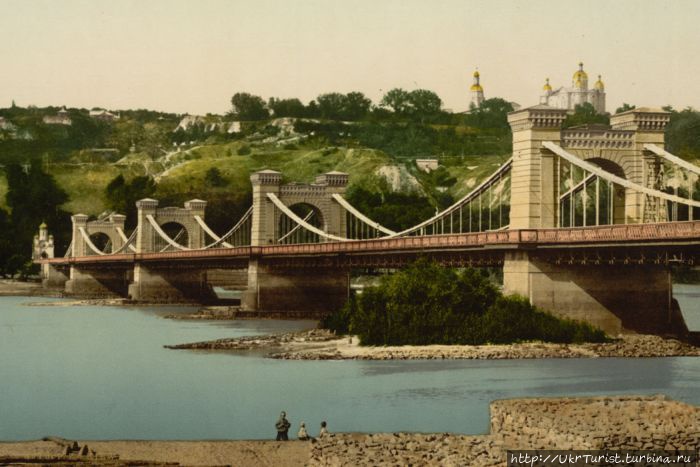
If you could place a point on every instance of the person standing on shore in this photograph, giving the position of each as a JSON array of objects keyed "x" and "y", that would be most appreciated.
[
  {"x": 282, "y": 426},
  {"x": 323, "y": 432}
]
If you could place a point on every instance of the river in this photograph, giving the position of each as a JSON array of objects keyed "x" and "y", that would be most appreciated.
[{"x": 102, "y": 373}]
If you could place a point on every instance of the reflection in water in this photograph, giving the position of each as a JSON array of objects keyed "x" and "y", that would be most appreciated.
[{"x": 102, "y": 373}]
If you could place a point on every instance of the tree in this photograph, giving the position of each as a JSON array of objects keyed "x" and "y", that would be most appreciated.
[
  {"x": 331, "y": 105},
  {"x": 286, "y": 107},
  {"x": 585, "y": 114},
  {"x": 683, "y": 133},
  {"x": 492, "y": 113},
  {"x": 397, "y": 100},
  {"x": 7, "y": 248},
  {"x": 356, "y": 106},
  {"x": 424, "y": 104},
  {"x": 34, "y": 197},
  {"x": 248, "y": 107},
  {"x": 625, "y": 107},
  {"x": 213, "y": 178},
  {"x": 121, "y": 195}
]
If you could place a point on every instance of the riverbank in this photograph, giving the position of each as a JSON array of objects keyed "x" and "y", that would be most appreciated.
[
  {"x": 13, "y": 288},
  {"x": 618, "y": 422},
  {"x": 319, "y": 344}
]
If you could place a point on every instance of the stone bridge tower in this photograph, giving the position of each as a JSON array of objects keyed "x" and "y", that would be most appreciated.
[
  {"x": 275, "y": 287},
  {"x": 185, "y": 217},
  {"x": 604, "y": 295},
  {"x": 109, "y": 227},
  {"x": 319, "y": 195}
]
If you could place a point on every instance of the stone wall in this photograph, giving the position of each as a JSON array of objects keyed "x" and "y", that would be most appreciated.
[{"x": 616, "y": 423}]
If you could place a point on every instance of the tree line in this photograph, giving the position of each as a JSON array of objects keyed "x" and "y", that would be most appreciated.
[
  {"x": 33, "y": 197},
  {"x": 418, "y": 105}
]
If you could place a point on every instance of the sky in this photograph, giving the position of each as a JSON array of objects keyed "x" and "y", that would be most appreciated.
[{"x": 189, "y": 56}]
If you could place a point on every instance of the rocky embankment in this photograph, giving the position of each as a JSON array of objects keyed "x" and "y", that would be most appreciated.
[
  {"x": 614, "y": 423},
  {"x": 318, "y": 344},
  {"x": 270, "y": 342},
  {"x": 596, "y": 423},
  {"x": 235, "y": 312}
]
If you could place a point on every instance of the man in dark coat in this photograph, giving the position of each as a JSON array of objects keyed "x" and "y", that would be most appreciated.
[{"x": 282, "y": 426}]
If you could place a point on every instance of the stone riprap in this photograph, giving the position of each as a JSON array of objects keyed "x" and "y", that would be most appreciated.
[
  {"x": 615, "y": 423},
  {"x": 319, "y": 344}
]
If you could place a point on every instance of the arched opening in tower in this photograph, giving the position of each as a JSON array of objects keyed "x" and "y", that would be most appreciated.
[
  {"x": 177, "y": 232},
  {"x": 102, "y": 242},
  {"x": 589, "y": 200},
  {"x": 290, "y": 232}
]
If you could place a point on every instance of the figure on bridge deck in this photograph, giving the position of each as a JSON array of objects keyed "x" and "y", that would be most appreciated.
[{"x": 283, "y": 426}]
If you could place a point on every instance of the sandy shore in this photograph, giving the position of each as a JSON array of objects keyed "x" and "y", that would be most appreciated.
[
  {"x": 613, "y": 423},
  {"x": 147, "y": 453},
  {"x": 323, "y": 345}
]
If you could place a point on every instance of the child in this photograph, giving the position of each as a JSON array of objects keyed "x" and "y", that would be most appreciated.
[
  {"x": 302, "y": 435},
  {"x": 323, "y": 431}
]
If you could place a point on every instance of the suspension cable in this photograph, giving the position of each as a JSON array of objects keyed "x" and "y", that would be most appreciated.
[
  {"x": 163, "y": 235},
  {"x": 350, "y": 208},
  {"x": 289, "y": 213},
  {"x": 614, "y": 178}
]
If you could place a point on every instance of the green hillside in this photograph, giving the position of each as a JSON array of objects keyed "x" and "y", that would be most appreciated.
[{"x": 182, "y": 175}]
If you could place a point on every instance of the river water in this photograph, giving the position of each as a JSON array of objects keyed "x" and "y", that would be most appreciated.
[{"x": 102, "y": 373}]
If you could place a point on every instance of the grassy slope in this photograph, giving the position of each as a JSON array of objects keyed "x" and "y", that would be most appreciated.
[
  {"x": 299, "y": 165},
  {"x": 185, "y": 175},
  {"x": 471, "y": 170}
]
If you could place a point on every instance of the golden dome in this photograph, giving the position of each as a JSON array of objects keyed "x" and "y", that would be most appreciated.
[
  {"x": 580, "y": 75},
  {"x": 476, "y": 87},
  {"x": 599, "y": 84},
  {"x": 546, "y": 86},
  {"x": 43, "y": 225},
  {"x": 476, "y": 74}
]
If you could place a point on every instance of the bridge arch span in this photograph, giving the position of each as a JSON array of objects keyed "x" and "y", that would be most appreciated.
[
  {"x": 288, "y": 231},
  {"x": 148, "y": 238},
  {"x": 97, "y": 229},
  {"x": 318, "y": 195}
]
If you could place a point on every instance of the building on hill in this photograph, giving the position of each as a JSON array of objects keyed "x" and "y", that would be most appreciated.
[
  {"x": 577, "y": 94},
  {"x": 477, "y": 92},
  {"x": 104, "y": 115},
  {"x": 477, "y": 95},
  {"x": 7, "y": 125},
  {"x": 61, "y": 118},
  {"x": 427, "y": 165}
]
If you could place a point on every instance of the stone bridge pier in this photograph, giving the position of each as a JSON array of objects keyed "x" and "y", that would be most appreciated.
[
  {"x": 276, "y": 286},
  {"x": 156, "y": 281},
  {"x": 612, "y": 297},
  {"x": 87, "y": 281}
]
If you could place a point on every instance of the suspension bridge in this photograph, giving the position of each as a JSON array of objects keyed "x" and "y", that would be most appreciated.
[{"x": 584, "y": 221}]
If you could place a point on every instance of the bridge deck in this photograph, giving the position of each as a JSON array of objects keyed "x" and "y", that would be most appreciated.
[{"x": 610, "y": 236}]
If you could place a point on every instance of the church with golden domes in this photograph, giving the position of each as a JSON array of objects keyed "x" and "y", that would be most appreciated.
[
  {"x": 477, "y": 92},
  {"x": 578, "y": 93}
]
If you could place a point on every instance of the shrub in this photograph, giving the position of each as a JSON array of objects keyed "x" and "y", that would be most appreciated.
[
  {"x": 514, "y": 319},
  {"x": 428, "y": 304},
  {"x": 244, "y": 150}
]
